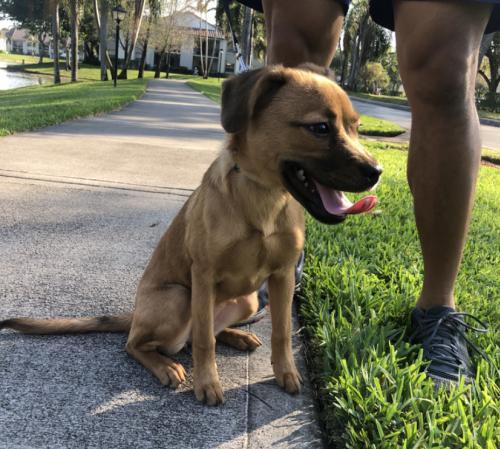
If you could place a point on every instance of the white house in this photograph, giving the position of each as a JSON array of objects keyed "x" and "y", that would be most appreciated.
[
  {"x": 20, "y": 41},
  {"x": 186, "y": 54}
]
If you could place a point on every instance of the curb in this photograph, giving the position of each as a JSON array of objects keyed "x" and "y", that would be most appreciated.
[{"x": 402, "y": 107}]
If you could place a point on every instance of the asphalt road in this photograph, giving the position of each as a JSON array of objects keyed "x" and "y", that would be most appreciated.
[{"x": 489, "y": 134}]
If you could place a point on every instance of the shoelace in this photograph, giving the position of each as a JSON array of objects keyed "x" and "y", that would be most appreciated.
[{"x": 445, "y": 328}]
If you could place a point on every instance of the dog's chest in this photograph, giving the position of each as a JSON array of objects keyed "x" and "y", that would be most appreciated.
[{"x": 251, "y": 260}]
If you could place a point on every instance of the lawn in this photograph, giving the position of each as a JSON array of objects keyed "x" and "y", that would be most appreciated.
[
  {"x": 370, "y": 126},
  {"x": 361, "y": 281},
  {"x": 10, "y": 57},
  {"x": 38, "y": 106},
  {"x": 86, "y": 72}
]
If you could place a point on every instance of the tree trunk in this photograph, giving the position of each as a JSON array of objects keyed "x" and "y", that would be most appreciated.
[
  {"x": 142, "y": 63},
  {"x": 344, "y": 67},
  {"x": 144, "y": 54},
  {"x": 126, "y": 49},
  {"x": 246, "y": 36},
  {"x": 158, "y": 64},
  {"x": 359, "y": 43},
  {"x": 202, "y": 61},
  {"x": 167, "y": 69},
  {"x": 41, "y": 47},
  {"x": 55, "y": 35},
  {"x": 74, "y": 40},
  {"x": 485, "y": 44},
  {"x": 138, "y": 13},
  {"x": 101, "y": 17}
]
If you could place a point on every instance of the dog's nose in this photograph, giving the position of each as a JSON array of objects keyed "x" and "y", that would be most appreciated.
[{"x": 372, "y": 172}]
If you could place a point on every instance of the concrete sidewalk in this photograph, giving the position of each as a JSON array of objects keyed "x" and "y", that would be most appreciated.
[{"x": 82, "y": 206}]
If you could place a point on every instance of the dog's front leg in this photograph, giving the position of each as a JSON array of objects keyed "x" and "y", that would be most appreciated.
[
  {"x": 206, "y": 379},
  {"x": 281, "y": 286}
]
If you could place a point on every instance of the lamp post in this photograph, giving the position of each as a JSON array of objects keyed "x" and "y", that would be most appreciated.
[{"x": 118, "y": 15}]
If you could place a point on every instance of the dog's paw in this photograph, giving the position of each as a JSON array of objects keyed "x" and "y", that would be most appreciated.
[
  {"x": 239, "y": 339},
  {"x": 209, "y": 394},
  {"x": 171, "y": 374},
  {"x": 288, "y": 379},
  {"x": 207, "y": 389}
]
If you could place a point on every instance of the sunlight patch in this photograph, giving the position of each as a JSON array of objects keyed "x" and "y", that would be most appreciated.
[{"x": 120, "y": 400}]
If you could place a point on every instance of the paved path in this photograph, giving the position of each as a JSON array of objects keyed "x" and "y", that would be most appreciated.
[
  {"x": 489, "y": 134},
  {"x": 82, "y": 206}
]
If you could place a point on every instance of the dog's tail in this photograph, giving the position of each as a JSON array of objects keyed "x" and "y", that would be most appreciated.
[{"x": 119, "y": 323}]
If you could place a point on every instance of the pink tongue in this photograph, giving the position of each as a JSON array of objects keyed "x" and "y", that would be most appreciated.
[{"x": 336, "y": 203}]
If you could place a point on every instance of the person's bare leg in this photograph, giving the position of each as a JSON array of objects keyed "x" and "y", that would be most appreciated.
[
  {"x": 302, "y": 31},
  {"x": 437, "y": 46}
]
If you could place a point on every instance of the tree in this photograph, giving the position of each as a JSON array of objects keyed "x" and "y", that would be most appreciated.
[
  {"x": 166, "y": 34},
  {"x": 89, "y": 35},
  {"x": 73, "y": 6},
  {"x": 31, "y": 15},
  {"x": 373, "y": 77},
  {"x": 390, "y": 63},
  {"x": 137, "y": 6},
  {"x": 246, "y": 36},
  {"x": 258, "y": 29},
  {"x": 363, "y": 41},
  {"x": 153, "y": 15},
  {"x": 54, "y": 6},
  {"x": 490, "y": 72},
  {"x": 101, "y": 13}
]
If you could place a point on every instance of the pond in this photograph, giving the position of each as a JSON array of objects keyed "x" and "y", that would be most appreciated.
[{"x": 13, "y": 80}]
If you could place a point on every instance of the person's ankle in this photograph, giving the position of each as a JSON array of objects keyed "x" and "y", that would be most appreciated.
[{"x": 426, "y": 302}]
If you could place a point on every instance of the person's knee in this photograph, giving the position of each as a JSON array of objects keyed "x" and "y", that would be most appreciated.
[{"x": 438, "y": 82}]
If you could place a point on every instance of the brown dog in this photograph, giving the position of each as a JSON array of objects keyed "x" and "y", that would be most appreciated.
[{"x": 292, "y": 139}]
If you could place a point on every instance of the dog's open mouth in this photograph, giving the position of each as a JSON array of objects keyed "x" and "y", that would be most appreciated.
[{"x": 324, "y": 203}]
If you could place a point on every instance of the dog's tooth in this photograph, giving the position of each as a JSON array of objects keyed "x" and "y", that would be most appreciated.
[{"x": 300, "y": 175}]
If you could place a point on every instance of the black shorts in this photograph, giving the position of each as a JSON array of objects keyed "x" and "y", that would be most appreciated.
[{"x": 382, "y": 13}]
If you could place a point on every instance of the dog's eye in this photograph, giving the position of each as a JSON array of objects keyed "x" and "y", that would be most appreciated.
[{"x": 320, "y": 129}]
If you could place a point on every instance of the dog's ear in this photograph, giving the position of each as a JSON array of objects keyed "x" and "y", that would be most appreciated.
[{"x": 247, "y": 94}]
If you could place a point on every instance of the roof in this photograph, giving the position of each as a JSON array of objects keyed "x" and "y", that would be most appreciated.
[
  {"x": 22, "y": 34},
  {"x": 197, "y": 25},
  {"x": 18, "y": 34}
]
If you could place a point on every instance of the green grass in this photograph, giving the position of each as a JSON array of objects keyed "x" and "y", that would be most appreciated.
[
  {"x": 385, "y": 98},
  {"x": 361, "y": 280},
  {"x": 86, "y": 72},
  {"x": 370, "y": 126},
  {"x": 210, "y": 87},
  {"x": 38, "y": 106},
  {"x": 488, "y": 114},
  {"x": 11, "y": 57},
  {"x": 490, "y": 156}
]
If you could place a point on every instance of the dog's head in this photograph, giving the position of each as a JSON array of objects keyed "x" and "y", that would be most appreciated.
[{"x": 297, "y": 128}]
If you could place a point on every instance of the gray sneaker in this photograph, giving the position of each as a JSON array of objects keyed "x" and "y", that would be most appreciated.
[{"x": 441, "y": 332}]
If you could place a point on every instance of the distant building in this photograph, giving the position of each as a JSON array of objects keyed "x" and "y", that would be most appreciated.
[
  {"x": 20, "y": 41},
  {"x": 190, "y": 37}
]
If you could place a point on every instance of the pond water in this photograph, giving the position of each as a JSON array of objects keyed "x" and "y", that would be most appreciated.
[{"x": 13, "y": 80}]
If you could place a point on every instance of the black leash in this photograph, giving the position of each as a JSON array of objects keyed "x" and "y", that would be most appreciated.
[{"x": 239, "y": 57}]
